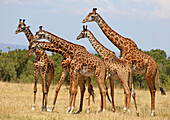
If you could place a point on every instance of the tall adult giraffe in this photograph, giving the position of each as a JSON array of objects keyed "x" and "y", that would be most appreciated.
[
  {"x": 139, "y": 62},
  {"x": 83, "y": 64},
  {"x": 43, "y": 66},
  {"x": 116, "y": 69}
]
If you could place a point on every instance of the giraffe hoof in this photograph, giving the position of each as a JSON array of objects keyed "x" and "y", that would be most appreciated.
[
  {"x": 72, "y": 110},
  {"x": 137, "y": 113},
  {"x": 42, "y": 108},
  {"x": 48, "y": 109},
  {"x": 153, "y": 113},
  {"x": 113, "y": 110},
  {"x": 79, "y": 111},
  {"x": 33, "y": 107},
  {"x": 52, "y": 109},
  {"x": 99, "y": 110},
  {"x": 124, "y": 109},
  {"x": 88, "y": 110},
  {"x": 69, "y": 109}
]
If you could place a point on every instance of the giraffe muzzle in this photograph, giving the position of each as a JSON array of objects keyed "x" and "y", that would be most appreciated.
[
  {"x": 16, "y": 32},
  {"x": 84, "y": 21},
  {"x": 78, "y": 38}
]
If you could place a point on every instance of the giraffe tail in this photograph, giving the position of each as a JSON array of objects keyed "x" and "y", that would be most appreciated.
[
  {"x": 161, "y": 89},
  {"x": 108, "y": 95}
]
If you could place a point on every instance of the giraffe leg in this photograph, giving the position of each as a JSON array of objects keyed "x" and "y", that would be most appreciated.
[
  {"x": 89, "y": 93},
  {"x": 100, "y": 80},
  {"x": 43, "y": 107},
  {"x": 63, "y": 76},
  {"x": 82, "y": 90},
  {"x": 70, "y": 102},
  {"x": 50, "y": 77},
  {"x": 35, "y": 86},
  {"x": 127, "y": 95},
  {"x": 130, "y": 84},
  {"x": 134, "y": 98},
  {"x": 43, "y": 73},
  {"x": 70, "y": 92},
  {"x": 125, "y": 82},
  {"x": 45, "y": 92},
  {"x": 125, "y": 105},
  {"x": 74, "y": 90},
  {"x": 101, "y": 103},
  {"x": 150, "y": 79},
  {"x": 152, "y": 88},
  {"x": 102, "y": 88},
  {"x": 112, "y": 93},
  {"x": 127, "y": 100},
  {"x": 46, "y": 101}
]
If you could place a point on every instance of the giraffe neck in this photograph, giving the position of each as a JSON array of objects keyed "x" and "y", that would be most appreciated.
[
  {"x": 101, "y": 50},
  {"x": 28, "y": 34},
  {"x": 39, "y": 54},
  {"x": 51, "y": 47},
  {"x": 66, "y": 46},
  {"x": 123, "y": 44}
]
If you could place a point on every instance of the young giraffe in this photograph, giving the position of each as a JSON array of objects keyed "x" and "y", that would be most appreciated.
[
  {"x": 43, "y": 66},
  {"x": 139, "y": 62},
  {"x": 83, "y": 64},
  {"x": 116, "y": 69}
]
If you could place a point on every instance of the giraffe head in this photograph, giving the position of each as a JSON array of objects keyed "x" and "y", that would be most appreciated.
[
  {"x": 41, "y": 34},
  {"x": 22, "y": 27},
  {"x": 33, "y": 47},
  {"x": 92, "y": 16},
  {"x": 84, "y": 33}
]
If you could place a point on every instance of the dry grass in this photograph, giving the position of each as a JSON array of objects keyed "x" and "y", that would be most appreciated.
[{"x": 16, "y": 102}]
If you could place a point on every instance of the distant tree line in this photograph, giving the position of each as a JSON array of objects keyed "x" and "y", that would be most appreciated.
[{"x": 16, "y": 67}]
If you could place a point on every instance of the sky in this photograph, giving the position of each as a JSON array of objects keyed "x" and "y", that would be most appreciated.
[{"x": 146, "y": 22}]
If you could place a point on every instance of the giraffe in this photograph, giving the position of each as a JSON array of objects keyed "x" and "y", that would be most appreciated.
[
  {"x": 83, "y": 64},
  {"x": 116, "y": 69},
  {"x": 43, "y": 66},
  {"x": 22, "y": 27},
  {"x": 65, "y": 67},
  {"x": 139, "y": 62}
]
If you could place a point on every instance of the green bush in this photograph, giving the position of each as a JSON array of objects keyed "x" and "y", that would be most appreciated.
[{"x": 16, "y": 67}]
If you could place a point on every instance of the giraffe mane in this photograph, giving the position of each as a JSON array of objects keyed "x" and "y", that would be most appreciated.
[
  {"x": 100, "y": 43},
  {"x": 65, "y": 40}
]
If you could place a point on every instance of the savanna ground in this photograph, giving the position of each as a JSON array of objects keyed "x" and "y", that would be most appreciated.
[{"x": 16, "y": 103}]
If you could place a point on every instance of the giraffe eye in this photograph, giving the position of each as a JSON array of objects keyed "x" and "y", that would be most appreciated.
[{"x": 92, "y": 17}]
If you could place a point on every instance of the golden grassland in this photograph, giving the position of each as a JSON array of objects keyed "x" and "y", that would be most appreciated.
[{"x": 16, "y": 104}]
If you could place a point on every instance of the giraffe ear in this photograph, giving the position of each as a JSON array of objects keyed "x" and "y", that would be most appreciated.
[
  {"x": 28, "y": 26},
  {"x": 20, "y": 21},
  {"x": 40, "y": 28},
  {"x": 83, "y": 27},
  {"x": 86, "y": 28},
  {"x": 24, "y": 21},
  {"x": 94, "y": 10}
]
